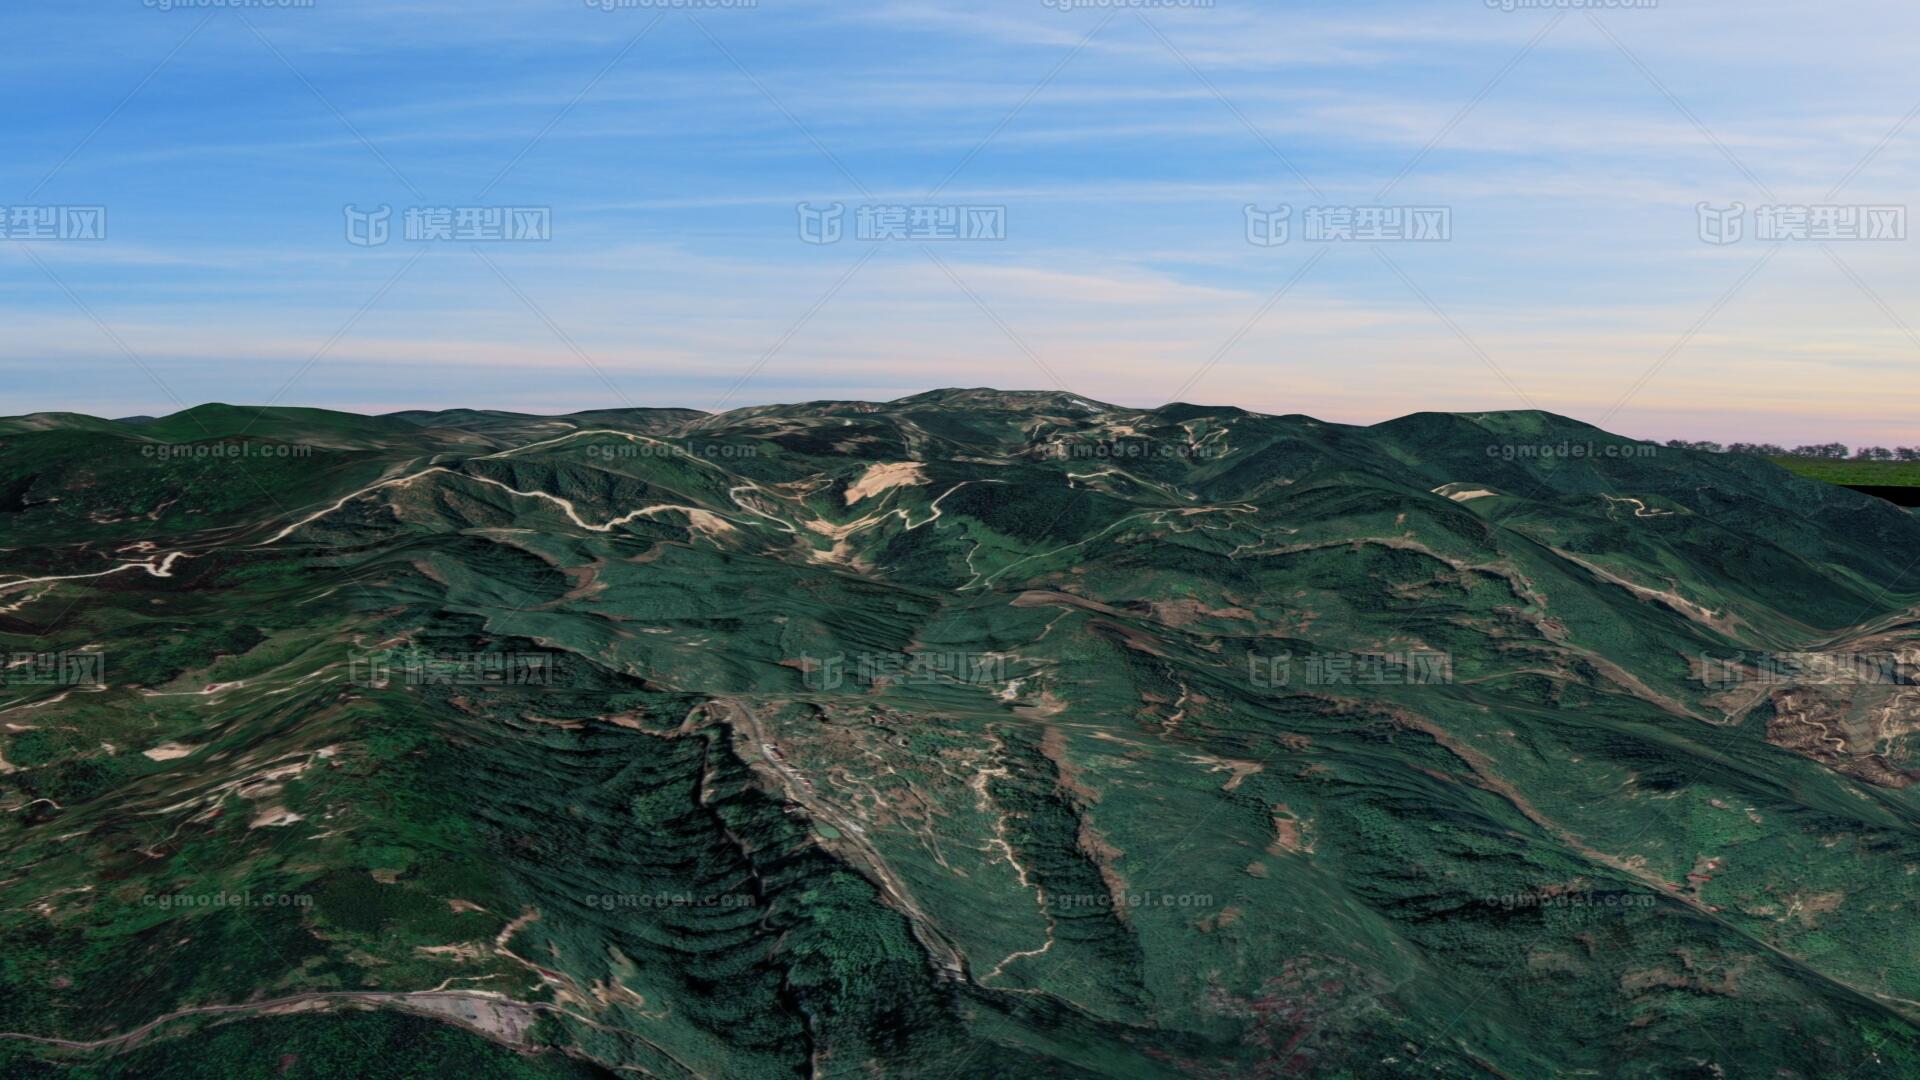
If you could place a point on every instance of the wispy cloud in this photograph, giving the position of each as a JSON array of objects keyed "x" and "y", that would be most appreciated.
[{"x": 1575, "y": 259}]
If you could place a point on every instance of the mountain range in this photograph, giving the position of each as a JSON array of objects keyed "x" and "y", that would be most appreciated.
[{"x": 977, "y": 732}]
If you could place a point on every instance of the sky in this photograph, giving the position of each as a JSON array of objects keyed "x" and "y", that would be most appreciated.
[{"x": 1682, "y": 219}]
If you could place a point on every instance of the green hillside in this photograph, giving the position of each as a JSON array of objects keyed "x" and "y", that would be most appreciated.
[{"x": 975, "y": 733}]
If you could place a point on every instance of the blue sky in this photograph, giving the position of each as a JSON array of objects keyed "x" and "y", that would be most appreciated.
[{"x": 1570, "y": 147}]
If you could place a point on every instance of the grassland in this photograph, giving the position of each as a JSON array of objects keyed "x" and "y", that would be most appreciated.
[{"x": 1864, "y": 473}]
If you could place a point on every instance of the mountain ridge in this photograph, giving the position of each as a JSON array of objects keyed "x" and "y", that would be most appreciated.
[{"x": 977, "y": 729}]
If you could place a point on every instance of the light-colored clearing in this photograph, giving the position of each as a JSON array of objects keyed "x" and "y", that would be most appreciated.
[
  {"x": 1448, "y": 491},
  {"x": 168, "y": 751},
  {"x": 879, "y": 478},
  {"x": 274, "y": 817}
]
